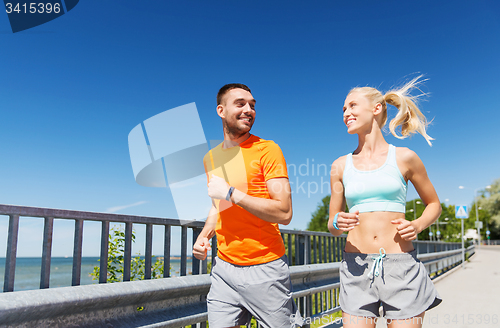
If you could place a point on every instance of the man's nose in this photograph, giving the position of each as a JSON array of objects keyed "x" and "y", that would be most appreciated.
[{"x": 247, "y": 108}]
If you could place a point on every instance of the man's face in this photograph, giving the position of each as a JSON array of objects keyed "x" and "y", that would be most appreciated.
[{"x": 237, "y": 111}]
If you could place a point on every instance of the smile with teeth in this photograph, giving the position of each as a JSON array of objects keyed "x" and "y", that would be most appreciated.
[{"x": 350, "y": 121}]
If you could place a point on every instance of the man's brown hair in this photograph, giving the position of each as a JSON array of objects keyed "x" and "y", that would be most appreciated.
[{"x": 225, "y": 89}]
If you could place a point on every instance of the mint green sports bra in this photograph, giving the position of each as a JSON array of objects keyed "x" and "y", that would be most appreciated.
[{"x": 380, "y": 190}]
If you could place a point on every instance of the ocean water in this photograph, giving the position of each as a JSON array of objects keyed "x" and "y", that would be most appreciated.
[{"x": 28, "y": 271}]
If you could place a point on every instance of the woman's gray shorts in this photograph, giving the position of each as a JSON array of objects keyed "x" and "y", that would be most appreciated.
[
  {"x": 263, "y": 291},
  {"x": 403, "y": 287}
]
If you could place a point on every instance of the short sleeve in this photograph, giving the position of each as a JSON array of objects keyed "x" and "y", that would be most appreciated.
[{"x": 273, "y": 162}]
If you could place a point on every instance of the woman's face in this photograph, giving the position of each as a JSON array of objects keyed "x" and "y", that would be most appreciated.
[{"x": 358, "y": 112}]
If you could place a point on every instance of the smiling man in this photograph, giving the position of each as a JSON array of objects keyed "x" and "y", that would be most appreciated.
[{"x": 251, "y": 196}]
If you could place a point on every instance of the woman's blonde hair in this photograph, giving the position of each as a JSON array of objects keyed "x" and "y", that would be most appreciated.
[{"x": 409, "y": 116}]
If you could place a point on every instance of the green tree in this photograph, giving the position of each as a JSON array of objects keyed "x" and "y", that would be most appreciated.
[
  {"x": 116, "y": 249},
  {"x": 319, "y": 220},
  {"x": 489, "y": 211}
]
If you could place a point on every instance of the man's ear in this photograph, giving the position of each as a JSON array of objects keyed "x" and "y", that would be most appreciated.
[{"x": 220, "y": 111}]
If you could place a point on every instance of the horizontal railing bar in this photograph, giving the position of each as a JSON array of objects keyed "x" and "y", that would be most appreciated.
[
  {"x": 313, "y": 270},
  {"x": 92, "y": 216},
  {"x": 428, "y": 264},
  {"x": 310, "y": 233},
  {"x": 440, "y": 255},
  {"x": 436, "y": 260},
  {"x": 306, "y": 290},
  {"x": 41, "y": 304}
]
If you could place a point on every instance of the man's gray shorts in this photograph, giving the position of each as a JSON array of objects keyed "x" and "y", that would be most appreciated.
[
  {"x": 403, "y": 287},
  {"x": 262, "y": 290}
]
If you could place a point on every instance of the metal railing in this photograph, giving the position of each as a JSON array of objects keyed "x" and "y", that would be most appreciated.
[
  {"x": 48, "y": 215},
  {"x": 178, "y": 301},
  {"x": 174, "y": 302},
  {"x": 302, "y": 247},
  {"x": 441, "y": 262}
]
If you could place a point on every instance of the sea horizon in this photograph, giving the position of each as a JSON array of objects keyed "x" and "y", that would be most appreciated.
[{"x": 28, "y": 271}]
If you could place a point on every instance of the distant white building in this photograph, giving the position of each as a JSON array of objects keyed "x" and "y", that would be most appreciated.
[{"x": 471, "y": 234}]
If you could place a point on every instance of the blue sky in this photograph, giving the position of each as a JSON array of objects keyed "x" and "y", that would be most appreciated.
[{"x": 72, "y": 89}]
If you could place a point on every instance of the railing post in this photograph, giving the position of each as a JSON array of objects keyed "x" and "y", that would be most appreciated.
[
  {"x": 103, "y": 264},
  {"x": 344, "y": 241},
  {"x": 10, "y": 256},
  {"x": 297, "y": 252},
  {"x": 127, "y": 251},
  {"x": 149, "y": 251},
  {"x": 214, "y": 249},
  {"x": 183, "y": 250},
  {"x": 289, "y": 242},
  {"x": 300, "y": 249},
  {"x": 195, "y": 263},
  {"x": 308, "y": 300},
  {"x": 315, "y": 246},
  {"x": 325, "y": 253},
  {"x": 338, "y": 246},
  {"x": 166, "y": 252},
  {"x": 77, "y": 253},
  {"x": 307, "y": 250},
  {"x": 46, "y": 252}
]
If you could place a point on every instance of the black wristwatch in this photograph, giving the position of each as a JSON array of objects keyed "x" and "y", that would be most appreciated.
[{"x": 229, "y": 193}]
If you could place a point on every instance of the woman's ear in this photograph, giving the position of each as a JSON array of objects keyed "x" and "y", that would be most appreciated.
[{"x": 377, "y": 109}]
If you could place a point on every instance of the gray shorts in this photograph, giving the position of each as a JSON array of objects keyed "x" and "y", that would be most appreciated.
[
  {"x": 240, "y": 292},
  {"x": 402, "y": 287}
]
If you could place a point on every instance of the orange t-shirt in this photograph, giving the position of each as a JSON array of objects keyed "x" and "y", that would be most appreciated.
[{"x": 243, "y": 238}]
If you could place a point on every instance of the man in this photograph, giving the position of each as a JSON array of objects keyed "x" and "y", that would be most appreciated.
[{"x": 248, "y": 184}]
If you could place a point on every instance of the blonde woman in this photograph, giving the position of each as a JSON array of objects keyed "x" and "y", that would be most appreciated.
[{"x": 380, "y": 267}]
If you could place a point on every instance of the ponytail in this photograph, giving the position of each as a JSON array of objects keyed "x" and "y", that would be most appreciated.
[{"x": 409, "y": 116}]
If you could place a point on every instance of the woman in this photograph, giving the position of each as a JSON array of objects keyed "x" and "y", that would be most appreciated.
[{"x": 380, "y": 268}]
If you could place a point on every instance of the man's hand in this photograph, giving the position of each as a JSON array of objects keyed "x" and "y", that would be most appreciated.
[
  {"x": 201, "y": 247},
  {"x": 217, "y": 187},
  {"x": 406, "y": 229}
]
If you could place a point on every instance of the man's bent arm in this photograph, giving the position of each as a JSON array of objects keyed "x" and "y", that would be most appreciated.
[{"x": 278, "y": 209}]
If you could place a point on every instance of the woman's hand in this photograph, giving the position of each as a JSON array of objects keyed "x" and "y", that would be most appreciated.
[
  {"x": 347, "y": 221},
  {"x": 406, "y": 229}
]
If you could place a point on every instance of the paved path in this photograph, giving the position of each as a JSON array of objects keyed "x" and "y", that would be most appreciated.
[{"x": 471, "y": 296}]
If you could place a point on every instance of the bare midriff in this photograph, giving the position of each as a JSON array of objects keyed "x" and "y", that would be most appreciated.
[{"x": 376, "y": 231}]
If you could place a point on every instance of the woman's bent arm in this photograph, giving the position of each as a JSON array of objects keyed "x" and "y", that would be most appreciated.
[{"x": 417, "y": 174}]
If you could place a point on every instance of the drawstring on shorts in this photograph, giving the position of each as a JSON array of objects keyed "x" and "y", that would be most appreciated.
[{"x": 377, "y": 264}]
